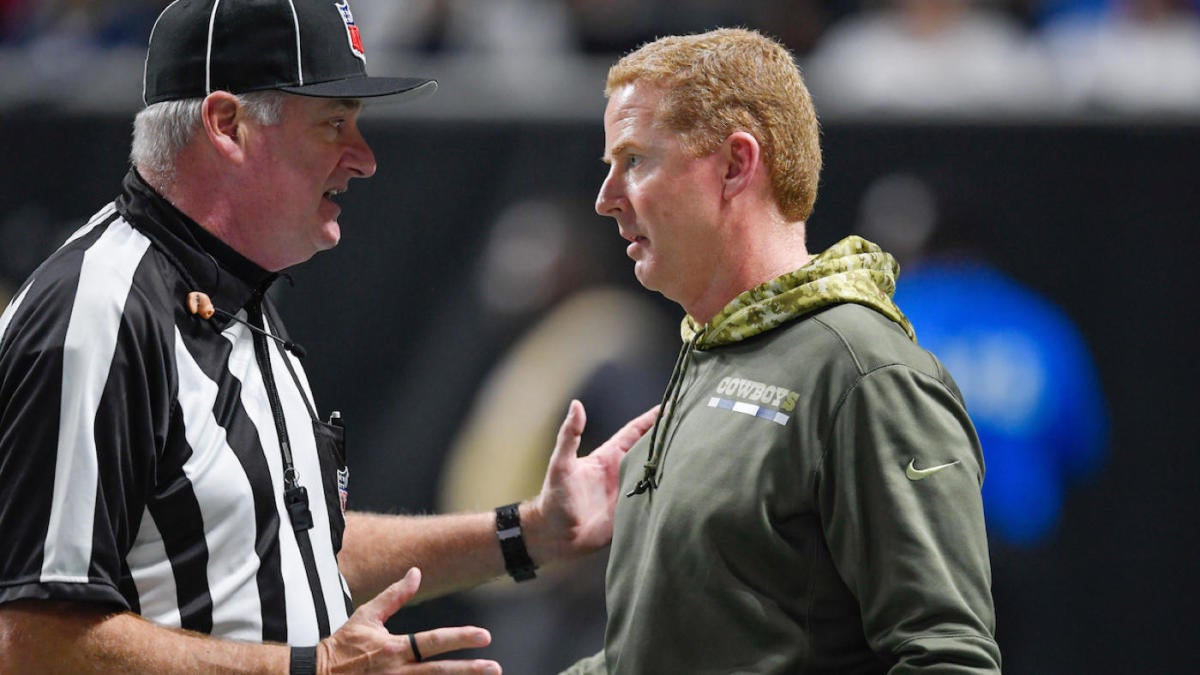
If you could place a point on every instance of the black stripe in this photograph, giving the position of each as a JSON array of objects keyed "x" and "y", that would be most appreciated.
[
  {"x": 31, "y": 368},
  {"x": 128, "y": 589},
  {"x": 176, "y": 512},
  {"x": 242, "y": 437},
  {"x": 130, "y": 426},
  {"x": 314, "y": 581}
]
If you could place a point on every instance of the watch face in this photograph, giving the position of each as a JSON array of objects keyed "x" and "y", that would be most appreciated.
[{"x": 508, "y": 517}]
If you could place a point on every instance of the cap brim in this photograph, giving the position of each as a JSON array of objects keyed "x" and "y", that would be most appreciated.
[{"x": 397, "y": 88}]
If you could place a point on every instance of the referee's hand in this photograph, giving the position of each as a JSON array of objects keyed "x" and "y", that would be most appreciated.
[{"x": 364, "y": 645}]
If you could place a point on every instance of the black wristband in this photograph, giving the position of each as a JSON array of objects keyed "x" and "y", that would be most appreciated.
[
  {"x": 516, "y": 557},
  {"x": 304, "y": 661}
]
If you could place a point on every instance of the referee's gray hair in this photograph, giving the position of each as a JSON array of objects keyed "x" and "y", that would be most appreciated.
[{"x": 162, "y": 130}]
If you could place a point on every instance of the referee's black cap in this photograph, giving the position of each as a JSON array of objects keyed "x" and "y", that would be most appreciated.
[{"x": 306, "y": 47}]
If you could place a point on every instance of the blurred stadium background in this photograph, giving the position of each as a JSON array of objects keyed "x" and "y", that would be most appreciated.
[{"x": 1029, "y": 161}]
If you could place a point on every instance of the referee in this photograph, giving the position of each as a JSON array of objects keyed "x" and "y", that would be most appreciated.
[{"x": 173, "y": 501}]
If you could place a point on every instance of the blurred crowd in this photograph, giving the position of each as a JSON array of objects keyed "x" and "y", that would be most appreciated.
[{"x": 861, "y": 56}]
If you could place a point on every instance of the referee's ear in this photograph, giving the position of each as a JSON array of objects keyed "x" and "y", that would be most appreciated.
[{"x": 224, "y": 122}]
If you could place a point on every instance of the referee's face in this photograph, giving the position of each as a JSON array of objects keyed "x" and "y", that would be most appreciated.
[{"x": 303, "y": 164}]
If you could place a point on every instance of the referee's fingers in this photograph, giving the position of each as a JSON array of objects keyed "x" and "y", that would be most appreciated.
[
  {"x": 431, "y": 643},
  {"x": 475, "y": 667},
  {"x": 620, "y": 442},
  {"x": 381, "y": 607},
  {"x": 566, "y": 445}
]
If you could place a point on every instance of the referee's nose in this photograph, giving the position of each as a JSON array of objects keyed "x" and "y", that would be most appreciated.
[{"x": 358, "y": 156}]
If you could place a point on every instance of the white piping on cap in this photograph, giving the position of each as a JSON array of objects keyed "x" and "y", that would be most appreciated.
[
  {"x": 146, "y": 62},
  {"x": 212, "y": 19},
  {"x": 299, "y": 60}
]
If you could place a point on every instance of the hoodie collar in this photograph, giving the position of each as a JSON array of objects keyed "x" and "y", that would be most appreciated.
[
  {"x": 852, "y": 270},
  {"x": 206, "y": 263}
]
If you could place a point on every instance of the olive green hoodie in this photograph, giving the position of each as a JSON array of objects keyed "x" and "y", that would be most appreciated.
[{"x": 809, "y": 499}]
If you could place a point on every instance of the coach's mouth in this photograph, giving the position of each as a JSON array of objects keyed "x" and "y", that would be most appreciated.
[{"x": 631, "y": 237}]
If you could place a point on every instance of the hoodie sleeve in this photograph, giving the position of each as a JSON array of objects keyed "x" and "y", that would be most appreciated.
[
  {"x": 899, "y": 493},
  {"x": 594, "y": 665}
]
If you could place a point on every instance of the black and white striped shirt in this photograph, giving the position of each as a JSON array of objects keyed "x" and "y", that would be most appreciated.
[{"x": 141, "y": 463}]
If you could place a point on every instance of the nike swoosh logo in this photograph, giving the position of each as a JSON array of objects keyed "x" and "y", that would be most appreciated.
[{"x": 914, "y": 473}]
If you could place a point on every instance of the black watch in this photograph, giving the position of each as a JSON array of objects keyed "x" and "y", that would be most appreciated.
[
  {"x": 304, "y": 661},
  {"x": 516, "y": 557}
]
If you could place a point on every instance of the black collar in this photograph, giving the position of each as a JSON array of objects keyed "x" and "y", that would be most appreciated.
[{"x": 205, "y": 262}]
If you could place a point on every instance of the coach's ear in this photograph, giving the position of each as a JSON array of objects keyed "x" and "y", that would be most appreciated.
[
  {"x": 223, "y": 119},
  {"x": 741, "y": 153}
]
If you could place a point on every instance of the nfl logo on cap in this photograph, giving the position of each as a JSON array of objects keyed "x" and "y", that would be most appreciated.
[{"x": 352, "y": 33}]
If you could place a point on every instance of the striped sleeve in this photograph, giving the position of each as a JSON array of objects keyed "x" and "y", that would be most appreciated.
[{"x": 80, "y": 409}]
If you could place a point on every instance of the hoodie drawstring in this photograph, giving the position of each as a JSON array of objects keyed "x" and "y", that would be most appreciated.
[{"x": 658, "y": 443}]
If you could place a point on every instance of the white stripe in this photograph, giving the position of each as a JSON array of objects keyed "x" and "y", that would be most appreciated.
[
  {"x": 302, "y": 622},
  {"x": 299, "y": 60},
  {"x": 714, "y": 402},
  {"x": 745, "y": 408},
  {"x": 212, "y": 19},
  {"x": 307, "y": 463},
  {"x": 153, "y": 575},
  {"x": 303, "y": 377},
  {"x": 100, "y": 216},
  {"x": 105, "y": 276},
  {"x": 781, "y": 419},
  {"x": 297, "y": 368},
  {"x": 226, "y": 505},
  {"x": 347, "y": 593}
]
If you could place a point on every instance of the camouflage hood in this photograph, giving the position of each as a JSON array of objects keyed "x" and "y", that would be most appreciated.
[{"x": 852, "y": 270}]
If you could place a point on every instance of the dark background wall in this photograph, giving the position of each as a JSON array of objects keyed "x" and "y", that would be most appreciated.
[{"x": 1100, "y": 218}]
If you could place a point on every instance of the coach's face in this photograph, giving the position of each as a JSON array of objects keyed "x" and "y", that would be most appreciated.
[
  {"x": 301, "y": 165},
  {"x": 666, "y": 203}
]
